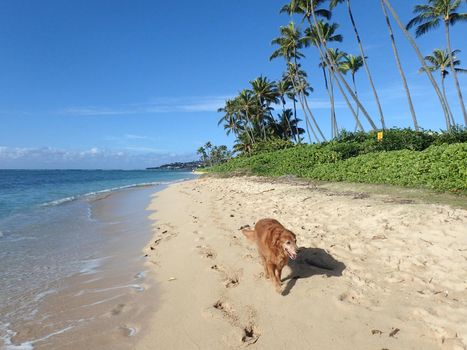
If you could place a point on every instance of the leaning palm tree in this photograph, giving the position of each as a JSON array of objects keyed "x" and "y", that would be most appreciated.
[
  {"x": 329, "y": 35},
  {"x": 441, "y": 60},
  {"x": 290, "y": 42},
  {"x": 420, "y": 58},
  {"x": 429, "y": 17},
  {"x": 298, "y": 79},
  {"x": 352, "y": 64},
  {"x": 285, "y": 89},
  {"x": 336, "y": 56},
  {"x": 309, "y": 11},
  {"x": 399, "y": 67},
  {"x": 333, "y": 4}
]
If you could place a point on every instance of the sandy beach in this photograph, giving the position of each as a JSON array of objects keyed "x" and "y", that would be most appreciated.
[{"x": 375, "y": 271}]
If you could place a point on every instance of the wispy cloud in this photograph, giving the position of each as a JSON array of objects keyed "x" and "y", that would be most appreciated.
[{"x": 154, "y": 106}]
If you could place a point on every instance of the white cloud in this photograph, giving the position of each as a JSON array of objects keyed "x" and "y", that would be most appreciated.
[{"x": 155, "y": 105}]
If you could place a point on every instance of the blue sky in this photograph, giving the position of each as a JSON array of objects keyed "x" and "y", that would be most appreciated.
[{"x": 130, "y": 84}]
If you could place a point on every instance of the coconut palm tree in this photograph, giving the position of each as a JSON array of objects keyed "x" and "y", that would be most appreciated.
[
  {"x": 265, "y": 92},
  {"x": 298, "y": 79},
  {"x": 286, "y": 127},
  {"x": 333, "y": 4},
  {"x": 247, "y": 105},
  {"x": 336, "y": 55},
  {"x": 308, "y": 8},
  {"x": 352, "y": 64},
  {"x": 399, "y": 67},
  {"x": 429, "y": 17},
  {"x": 230, "y": 118},
  {"x": 440, "y": 61},
  {"x": 329, "y": 35},
  {"x": 285, "y": 89},
  {"x": 421, "y": 59},
  {"x": 290, "y": 43}
]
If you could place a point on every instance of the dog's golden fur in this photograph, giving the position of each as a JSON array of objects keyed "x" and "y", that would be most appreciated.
[{"x": 275, "y": 245}]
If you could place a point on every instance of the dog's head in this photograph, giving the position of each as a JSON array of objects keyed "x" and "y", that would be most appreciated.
[{"x": 288, "y": 242}]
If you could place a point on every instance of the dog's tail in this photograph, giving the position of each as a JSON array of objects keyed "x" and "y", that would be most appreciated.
[{"x": 250, "y": 234}]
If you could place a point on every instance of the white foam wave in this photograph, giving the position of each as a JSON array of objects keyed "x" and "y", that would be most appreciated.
[{"x": 108, "y": 190}]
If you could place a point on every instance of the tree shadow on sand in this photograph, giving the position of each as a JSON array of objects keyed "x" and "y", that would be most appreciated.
[{"x": 310, "y": 262}]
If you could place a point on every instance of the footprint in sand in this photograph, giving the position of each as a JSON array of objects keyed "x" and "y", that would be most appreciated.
[
  {"x": 207, "y": 252},
  {"x": 117, "y": 310},
  {"x": 230, "y": 279}
]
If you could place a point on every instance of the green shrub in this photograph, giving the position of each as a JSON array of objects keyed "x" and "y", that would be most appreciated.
[
  {"x": 270, "y": 145},
  {"x": 442, "y": 167}
]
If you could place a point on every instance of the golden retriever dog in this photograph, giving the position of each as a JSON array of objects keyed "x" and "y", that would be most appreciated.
[{"x": 276, "y": 245}]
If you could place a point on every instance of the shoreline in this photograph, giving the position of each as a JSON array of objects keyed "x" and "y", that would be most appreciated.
[
  {"x": 375, "y": 271},
  {"x": 108, "y": 298}
]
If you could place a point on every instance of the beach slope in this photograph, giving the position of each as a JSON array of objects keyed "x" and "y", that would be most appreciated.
[{"x": 374, "y": 272}]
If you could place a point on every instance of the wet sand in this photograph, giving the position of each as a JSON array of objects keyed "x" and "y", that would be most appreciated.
[
  {"x": 106, "y": 305},
  {"x": 375, "y": 270}
]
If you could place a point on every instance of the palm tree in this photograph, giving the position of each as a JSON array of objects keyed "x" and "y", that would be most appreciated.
[
  {"x": 399, "y": 66},
  {"x": 286, "y": 127},
  {"x": 298, "y": 79},
  {"x": 290, "y": 42},
  {"x": 333, "y": 4},
  {"x": 230, "y": 117},
  {"x": 421, "y": 59},
  {"x": 285, "y": 89},
  {"x": 336, "y": 55},
  {"x": 265, "y": 92},
  {"x": 308, "y": 8},
  {"x": 429, "y": 17},
  {"x": 329, "y": 35},
  {"x": 247, "y": 106},
  {"x": 352, "y": 64},
  {"x": 441, "y": 60}
]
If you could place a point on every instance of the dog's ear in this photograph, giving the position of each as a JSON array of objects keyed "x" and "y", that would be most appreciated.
[{"x": 277, "y": 237}]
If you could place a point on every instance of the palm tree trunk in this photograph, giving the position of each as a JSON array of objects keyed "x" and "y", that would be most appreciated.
[
  {"x": 333, "y": 105},
  {"x": 287, "y": 120},
  {"x": 307, "y": 121},
  {"x": 367, "y": 69},
  {"x": 355, "y": 90},
  {"x": 349, "y": 105},
  {"x": 313, "y": 119},
  {"x": 331, "y": 100},
  {"x": 399, "y": 67},
  {"x": 454, "y": 73},
  {"x": 333, "y": 65},
  {"x": 443, "y": 87},
  {"x": 422, "y": 61},
  {"x": 295, "y": 116}
]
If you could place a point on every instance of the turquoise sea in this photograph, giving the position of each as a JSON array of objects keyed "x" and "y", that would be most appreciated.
[{"x": 70, "y": 234}]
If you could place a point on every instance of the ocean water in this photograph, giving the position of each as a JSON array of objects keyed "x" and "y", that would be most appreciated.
[
  {"x": 27, "y": 189},
  {"x": 70, "y": 252}
]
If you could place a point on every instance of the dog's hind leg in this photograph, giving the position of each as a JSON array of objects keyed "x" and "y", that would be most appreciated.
[{"x": 250, "y": 234}]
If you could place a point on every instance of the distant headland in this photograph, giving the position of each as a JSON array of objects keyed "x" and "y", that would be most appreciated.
[{"x": 179, "y": 166}]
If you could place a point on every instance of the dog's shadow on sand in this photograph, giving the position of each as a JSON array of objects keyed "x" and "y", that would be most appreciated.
[{"x": 311, "y": 262}]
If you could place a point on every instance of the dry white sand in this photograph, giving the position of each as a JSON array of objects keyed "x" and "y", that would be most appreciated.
[{"x": 375, "y": 272}]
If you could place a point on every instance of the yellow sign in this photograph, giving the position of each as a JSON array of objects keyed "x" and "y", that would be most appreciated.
[{"x": 380, "y": 135}]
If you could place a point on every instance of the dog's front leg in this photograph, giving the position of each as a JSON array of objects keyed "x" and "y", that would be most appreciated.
[{"x": 277, "y": 279}]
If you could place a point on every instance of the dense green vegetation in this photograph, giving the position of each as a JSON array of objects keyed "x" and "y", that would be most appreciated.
[
  {"x": 264, "y": 117},
  {"x": 404, "y": 157}
]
